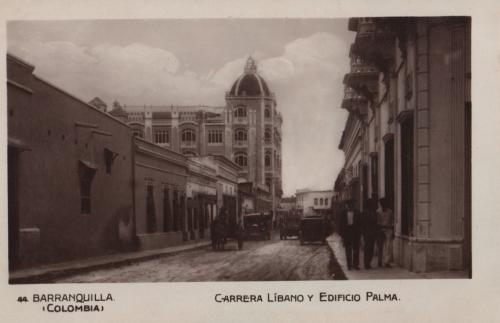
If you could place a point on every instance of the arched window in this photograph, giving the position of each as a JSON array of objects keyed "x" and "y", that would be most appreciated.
[
  {"x": 315, "y": 201},
  {"x": 240, "y": 112},
  {"x": 267, "y": 135},
  {"x": 188, "y": 135},
  {"x": 267, "y": 112},
  {"x": 267, "y": 160},
  {"x": 240, "y": 135},
  {"x": 326, "y": 202},
  {"x": 241, "y": 159},
  {"x": 321, "y": 201}
]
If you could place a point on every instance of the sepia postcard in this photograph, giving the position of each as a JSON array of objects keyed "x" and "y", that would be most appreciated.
[{"x": 249, "y": 161}]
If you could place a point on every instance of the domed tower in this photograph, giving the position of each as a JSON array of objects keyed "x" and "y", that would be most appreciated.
[{"x": 254, "y": 127}]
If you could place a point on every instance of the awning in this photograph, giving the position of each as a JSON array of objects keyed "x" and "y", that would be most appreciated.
[
  {"x": 18, "y": 144},
  {"x": 88, "y": 164}
]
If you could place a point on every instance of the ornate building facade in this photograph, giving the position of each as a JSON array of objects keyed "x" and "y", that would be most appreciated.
[
  {"x": 407, "y": 136},
  {"x": 247, "y": 130}
]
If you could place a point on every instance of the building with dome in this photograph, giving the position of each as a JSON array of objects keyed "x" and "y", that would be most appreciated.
[{"x": 247, "y": 130}]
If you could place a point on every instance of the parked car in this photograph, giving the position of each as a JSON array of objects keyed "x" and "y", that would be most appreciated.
[
  {"x": 313, "y": 229},
  {"x": 289, "y": 225},
  {"x": 257, "y": 225}
]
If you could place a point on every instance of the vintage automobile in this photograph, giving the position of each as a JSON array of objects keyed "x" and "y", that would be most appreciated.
[
  {"x": 257, "y": 225},
  {"x": 289, "y": 225},
  {"x": 313, "y": 229}
]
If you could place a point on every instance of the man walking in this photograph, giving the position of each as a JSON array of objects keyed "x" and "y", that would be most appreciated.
[{"x": 350, "y": 232}]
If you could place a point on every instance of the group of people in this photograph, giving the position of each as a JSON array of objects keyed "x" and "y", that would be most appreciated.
[{"x": 375, "y": 224}]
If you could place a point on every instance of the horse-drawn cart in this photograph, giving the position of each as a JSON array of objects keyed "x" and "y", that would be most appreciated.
[{"x": 223, "y": 232}]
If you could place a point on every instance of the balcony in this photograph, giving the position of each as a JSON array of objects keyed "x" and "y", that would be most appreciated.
[
  {"x": 375, "y": 39},
  {"x": 240, "y": 143},
  {"x": 363, "y": 77},
  {"x": 354, "y": 102},
  {"x": 240, "y": 120},
  {"x": 188, "y": 144}
]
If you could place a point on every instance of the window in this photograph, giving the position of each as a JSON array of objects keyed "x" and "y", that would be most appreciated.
[
  {"x": 166, "y": 210},
  {"x": 406, "y": 156},
  {"x": 315, "y": 201},
  {"x": 215, "y": 136},
  {"x": 240, "y": 135},
  {"x": 267, "y": 135},
  {"x": 326, "y": 202},
  {"x": 109, "y": 158},
  {"x": 86, "y": 173},
  {"x": 150, "y": 209},
  {"x": 374, "y": 173},
  {"x": 161, "y": 135},
  {"x": 176, "y": 211},
  {"x": 188, "y": 135},
  {"x": 241, "y": 159},
  {"x": 321, "y": 202},
  {"x": 267, "y": 112},
  {"x": 267, "y": 160},
  {"x": 240, "y": 112},
  {"x": 389, "y": 171},
  {"x": 138, "y": 130}
]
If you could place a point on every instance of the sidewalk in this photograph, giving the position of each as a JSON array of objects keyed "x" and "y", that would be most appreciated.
[
  {"x": 45, "y": 273},
  {"x": 335, "y": 243}
]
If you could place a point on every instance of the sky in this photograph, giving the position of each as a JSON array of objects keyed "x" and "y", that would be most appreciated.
[{"x": 195, "y": 61}]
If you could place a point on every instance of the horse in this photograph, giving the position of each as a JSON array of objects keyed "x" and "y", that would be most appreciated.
[{"x": 218, "y": 234}]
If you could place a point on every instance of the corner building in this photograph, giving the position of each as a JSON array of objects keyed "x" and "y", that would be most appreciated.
[{"x": 408, "y": 134}]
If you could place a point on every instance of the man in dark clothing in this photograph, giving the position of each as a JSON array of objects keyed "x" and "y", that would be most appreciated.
[
  {"x": 370, "y": 231},
  {"x": 350, "y": 231}
]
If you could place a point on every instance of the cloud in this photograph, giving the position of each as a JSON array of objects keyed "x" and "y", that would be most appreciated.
[
  {"x": 306, "y": 77},
  {"x": 134, "y": 74}
]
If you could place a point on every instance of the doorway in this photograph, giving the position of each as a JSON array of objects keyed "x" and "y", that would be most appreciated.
[{"x": 13, "y": 205}]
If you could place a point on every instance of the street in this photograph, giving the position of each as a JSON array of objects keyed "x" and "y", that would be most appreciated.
[{"x": 258, "y": 261}]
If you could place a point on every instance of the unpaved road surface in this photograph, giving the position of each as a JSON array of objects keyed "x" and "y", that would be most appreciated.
[{"x": 258, "y": 261}]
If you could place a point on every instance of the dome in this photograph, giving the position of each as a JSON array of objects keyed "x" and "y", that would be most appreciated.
[{"x": 250, "y": 83}]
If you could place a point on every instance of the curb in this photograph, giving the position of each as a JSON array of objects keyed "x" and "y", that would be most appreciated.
[
  {"x": 338, "y": 256},
  {"x": 46, "y": 277}
]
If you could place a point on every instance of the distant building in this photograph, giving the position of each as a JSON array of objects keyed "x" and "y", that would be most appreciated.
[
  {"x": 201, "y": 198},
  {"x": 227, "y": 183},
  {"x": 313, "y": 203},
  {"x": 160, "y": 180},
  {"x": 247, "y": 130},
  {"x": 288, "y": 203},
  {"x": 254, "y": 198},
  {"x": 99, "y": 104}
]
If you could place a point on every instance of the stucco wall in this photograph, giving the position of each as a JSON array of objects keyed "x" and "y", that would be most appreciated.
[{"x": 49, "y": 185}]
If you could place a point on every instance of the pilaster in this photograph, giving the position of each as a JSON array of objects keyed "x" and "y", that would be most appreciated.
[{"x": 423, "y": 180}]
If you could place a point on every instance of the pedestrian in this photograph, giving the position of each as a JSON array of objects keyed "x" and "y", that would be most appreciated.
[
  {"x": 350, "y": 233},
  {"x": 370, "y": 231},
  {"x": 385, "y": 221}
]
